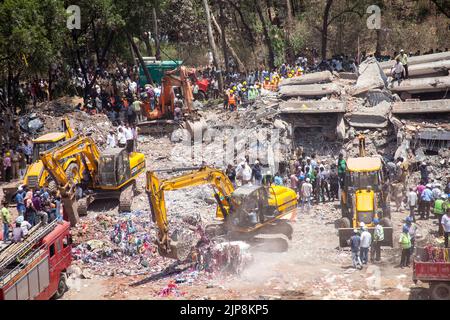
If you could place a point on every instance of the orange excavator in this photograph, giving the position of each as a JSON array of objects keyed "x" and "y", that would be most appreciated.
[{"x": 175, "y": 83}]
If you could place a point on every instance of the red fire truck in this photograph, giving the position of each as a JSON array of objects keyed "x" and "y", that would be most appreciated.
[
  {"x": 36, "y": 267},
  {"x": 432, "y": 265}
]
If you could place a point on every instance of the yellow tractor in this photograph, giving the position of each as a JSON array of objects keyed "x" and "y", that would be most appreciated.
[
  {"x": 36, "y": 176},
  {"x": 362, "y": 198},
  {"x": 241, "y": 214},
  {"x": 110, "y": 174}
]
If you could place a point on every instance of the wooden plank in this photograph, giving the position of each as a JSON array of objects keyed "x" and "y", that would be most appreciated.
[{"x": 428, "y": 106}]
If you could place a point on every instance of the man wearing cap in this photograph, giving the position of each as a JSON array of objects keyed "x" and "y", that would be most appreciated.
[
  {"x": 427, "y": 198},
  {"x": 355, "y": 245},
  {"x": 306, "y": 192},
  {"x": 378, "y": 237},
  {"x": 405, "y": 244},
  {"x": 403, "y": 57},
  {"x": 412, "y": 203},
  {"x": 423, "y": 172},
  {"x": 412, "y": 230},
  {"x": 366, "y": 241}
]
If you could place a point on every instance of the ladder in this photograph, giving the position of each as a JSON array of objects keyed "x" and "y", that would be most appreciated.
[{"x": 18, "y": 250}]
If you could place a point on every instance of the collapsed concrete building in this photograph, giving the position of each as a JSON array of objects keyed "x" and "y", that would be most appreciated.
[{"x": 324, "y": 106}]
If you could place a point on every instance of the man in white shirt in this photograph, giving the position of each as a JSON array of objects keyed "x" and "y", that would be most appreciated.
[
  {"x": 129, "y": 137},
  {"x": 397, "y": 70},
  {"x": 111, "y": 140},
  {"x": 305, "y": 193},
  {"x": 121, "y": 138},
  {"x": 412, "y": 203},
  {"x": 366, "y": 241},
  {"x": 446, "y": 225}
]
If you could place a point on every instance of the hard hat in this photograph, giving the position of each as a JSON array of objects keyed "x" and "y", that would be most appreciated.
[
  {"x": 364, "y": 228},
  {"x": 8, "y": 154},
  {"x": 376, "y": 221},
  {"x": 256, "y": 162},
  {"x": 355, "y": 230},
  {"x": 234, "y": 87},
  {"x": 307, "y": 179},
  {"x": 19, "y": 219},
  {"x": 405, "y": 229},
  {"x": 428, "y": 185},
  {"x": 267, "y": 78},
  {"x": 424, "y": 163},
  {"x": 401, "y": 50},
  {"x": 244, "y": 83},
  {"x": 231, "y": 91},
  {"x": 408, "y": 219},
  {"x": 362, "y": 224},
  {"x": 444, "y": 196}
]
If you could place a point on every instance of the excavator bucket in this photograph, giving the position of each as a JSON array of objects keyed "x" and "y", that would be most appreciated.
[
  {"x": 157, "y": 127},
  {"x": 196, "y": 128},
  {"x": 346, "y": 233}
]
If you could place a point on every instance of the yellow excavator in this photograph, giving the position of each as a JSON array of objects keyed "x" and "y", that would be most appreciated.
[
  {"x": 363, "y": 198},
  {"x": 36, "y": 176},
  {"x": 110, "y": 174},
  {"x": 241, "y": 213}
]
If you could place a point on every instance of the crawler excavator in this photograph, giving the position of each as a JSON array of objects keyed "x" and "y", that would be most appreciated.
[
  {"x": 362, "y": 197},
  {"x": 241, "y": 214},
  {"x": 110, "y": 174},
  {"x": 162, "y": 117}
]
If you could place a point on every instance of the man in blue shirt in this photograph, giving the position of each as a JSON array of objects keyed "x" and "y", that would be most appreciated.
[
  {"x": 355, "y": 244},
  {"x": 20, "y": 202},
  {"x": 427, "y": 198}
]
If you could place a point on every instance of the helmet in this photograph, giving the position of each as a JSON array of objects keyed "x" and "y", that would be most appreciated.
[
  {"x": 231, "y": 91},
  {"x": 355, "y": 231},
  {"x": 376, "y": 221},
  {"x": 362, "y": 224},
  {"x": 307, "y": 179},
  {"x": 444, "y": 196},
  {"x": 409, "y": 219},
  {"x": 234, "y": 88},
  {"x": 405, "y": 229},
  {"x": 244, "y": 83},
  {"x": 19, "y": 219},
  {"x": 267, "y": 78},
  {"x": 428, "y": 185}
]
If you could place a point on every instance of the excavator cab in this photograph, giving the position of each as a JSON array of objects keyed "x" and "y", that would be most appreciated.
[{"x": 114, "y": 167}]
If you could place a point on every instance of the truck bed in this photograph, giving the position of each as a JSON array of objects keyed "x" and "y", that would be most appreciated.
[{"x": 426, "y": 270}]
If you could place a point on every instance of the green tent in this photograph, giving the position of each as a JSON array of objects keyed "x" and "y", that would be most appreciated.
[{"x": 157, "y": 69}]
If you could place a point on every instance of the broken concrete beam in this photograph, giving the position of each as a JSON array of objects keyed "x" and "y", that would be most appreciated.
[
  {"x": 427, "y": 106},
  {"x": 312, "y": 106},
  {"x": 420, "y": 85},
  {"x": 375, "y": 117},
  {"x": 340, "y": 127},
  {"x": 431, "y": 69},
  {"x": 419, "y": 59},
  {"x": 371, "y": 76},
  {"x": 309, "y": 90},
  {"x": 309, "y": 78}
]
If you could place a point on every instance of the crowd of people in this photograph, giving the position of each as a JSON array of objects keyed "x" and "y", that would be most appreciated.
[
  {"x": 39, "y": 206},
  {"x": 14, "y": 159}
]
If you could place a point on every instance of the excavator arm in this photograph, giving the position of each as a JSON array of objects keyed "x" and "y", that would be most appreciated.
[
  {"x": 51, "y": 161},
  {"x": 155, "y": 189}
]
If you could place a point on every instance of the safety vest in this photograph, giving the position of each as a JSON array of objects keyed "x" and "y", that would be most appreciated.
[
  {"x": 405, "y": 240},
  {"x": 231, "y": 99},
  {"x": 266, "y": 84},
  {"x": 438, "y": 206}
]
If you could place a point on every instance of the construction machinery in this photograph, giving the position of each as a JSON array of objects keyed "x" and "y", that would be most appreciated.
[
  {"x": 36, "y": 267},
  {"x": 35, "y": 176},
  {"x": 110, "y": 174},
  {"x": 363, "y": 198},
  {"x": 162, "y": 116},
  {"x": 241, "y": 213}
]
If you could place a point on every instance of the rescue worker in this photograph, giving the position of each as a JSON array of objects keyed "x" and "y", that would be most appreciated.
[
  {"x": 403, "y": 58},
  {"x": 446, "y": 225},
  {"x": 231, "y": 101},
  {"x": 6, "y": 220},
  {"x": 366, "y": 241},
  {"x": 439, "y": 211},
  {"x": 405, "y": 244},
  {"x": 355, "y": 243},
  {"x": 412, "y": 230},
  {"x": 378, "y": 237},
  {"x": 342, "y": 166}
]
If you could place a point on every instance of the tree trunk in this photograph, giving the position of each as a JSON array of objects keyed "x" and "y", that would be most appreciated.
[
  {"x": 212, "y": 44},
  {"x": 289, "y": 51},
  {"x": 156, "y": 34},
  {"x": 148, "y": 46},
  {"x": 378, "y": 46},
  {"x": 326, "y": 14},
  {"x": 139, "y": 56},
  {"x": 241, "y": 66},
  {"x": 223, "y": 36},
  {"x": 266, "y": 36}
]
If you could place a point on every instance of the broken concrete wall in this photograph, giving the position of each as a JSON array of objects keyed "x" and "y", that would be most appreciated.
[
  {"x": 376, "y": 117},
  {"x": 309, "y": 90},
  {"x": 371, "y": 76},
  {"x": 309, "y": 78},
  {"x": 430, "y": 69},
  {"x": 421, "y": 85},
  {"x": 419, "y": 59}
]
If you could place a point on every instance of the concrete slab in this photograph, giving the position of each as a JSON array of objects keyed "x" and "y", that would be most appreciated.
[
  {"x": 375, "y": 117},
  {"x": 309, "y": 90},
  {"x": 427, "y": 106},
  {"x": 421, "y": 85},
  {"x": 309, "y": 78},
  {"x": 312, "y": 106}
]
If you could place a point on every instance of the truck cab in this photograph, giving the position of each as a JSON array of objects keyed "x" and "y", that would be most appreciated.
[{"x": 39, "y": 273}]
